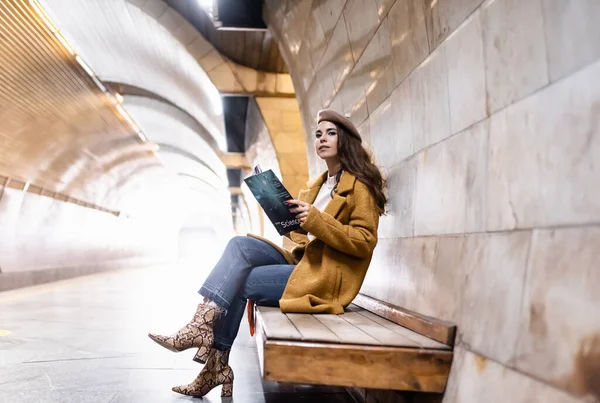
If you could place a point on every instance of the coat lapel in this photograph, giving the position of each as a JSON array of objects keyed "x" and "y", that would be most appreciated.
[
  {"x": 339, "y": 199},
  {"x": 335, "y": 205}
]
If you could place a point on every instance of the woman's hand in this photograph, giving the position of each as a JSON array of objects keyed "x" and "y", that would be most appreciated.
[{"x": 301, "y": 208}]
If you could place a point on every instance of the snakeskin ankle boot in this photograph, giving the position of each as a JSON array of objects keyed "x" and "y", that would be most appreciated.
[
  {"x": 216, "y": 372},
  {"x": 198, "y": 333}
]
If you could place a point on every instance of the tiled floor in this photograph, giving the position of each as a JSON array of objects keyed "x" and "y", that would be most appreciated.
[{"x": 84, "y": 340}]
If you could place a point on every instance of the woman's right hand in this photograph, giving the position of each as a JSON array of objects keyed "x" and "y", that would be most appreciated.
[{"x": 301, "y": 209}]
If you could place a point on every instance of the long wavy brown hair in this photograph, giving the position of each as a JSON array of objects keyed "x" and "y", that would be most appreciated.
[{"x": 356, "y": 160}]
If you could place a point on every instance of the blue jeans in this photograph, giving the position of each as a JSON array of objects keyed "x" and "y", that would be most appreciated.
[{"x": 248, "y": 269}]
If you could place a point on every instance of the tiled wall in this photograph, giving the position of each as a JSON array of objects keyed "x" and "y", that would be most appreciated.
[
  {"x": 43, "y": 239},
  {"x": 484, "y": 115},
  {"x": 284, "y": 123},
  {"x": 260, "y": 150}
]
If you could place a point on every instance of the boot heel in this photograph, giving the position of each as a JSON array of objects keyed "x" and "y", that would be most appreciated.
[
  {"x": 202, "y": 355},
  {"x": 227, "y": 390}
]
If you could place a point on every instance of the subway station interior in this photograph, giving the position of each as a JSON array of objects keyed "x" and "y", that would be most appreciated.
[{"x": 127, "y": 128}]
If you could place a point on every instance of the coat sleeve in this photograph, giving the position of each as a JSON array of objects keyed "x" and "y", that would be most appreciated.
[
  {"x": 357, "y": 238},
  {"x": 291, "y": 234}
]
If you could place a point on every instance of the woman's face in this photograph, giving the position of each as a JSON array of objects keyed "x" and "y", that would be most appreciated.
[{"x": 326, "y": 140}]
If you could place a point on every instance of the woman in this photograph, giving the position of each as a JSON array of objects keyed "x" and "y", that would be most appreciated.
[{"x": 339, "y": 215}]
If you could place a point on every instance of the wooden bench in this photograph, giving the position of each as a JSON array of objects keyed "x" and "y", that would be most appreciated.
[{"x": 373, "y": 345}]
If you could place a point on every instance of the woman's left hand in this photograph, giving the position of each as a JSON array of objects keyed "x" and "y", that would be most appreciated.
[{"x": 301, "y": 208}]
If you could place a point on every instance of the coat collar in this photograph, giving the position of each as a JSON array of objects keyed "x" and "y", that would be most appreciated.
[
  {"x": 339, "y": 199},
  {"x": 346, "y": 183}
]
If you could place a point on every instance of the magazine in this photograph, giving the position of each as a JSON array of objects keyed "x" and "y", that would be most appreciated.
[{"x": 271, "y": 195}]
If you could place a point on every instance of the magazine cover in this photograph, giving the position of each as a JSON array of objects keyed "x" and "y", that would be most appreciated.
[{"x": 271, "y": 195}]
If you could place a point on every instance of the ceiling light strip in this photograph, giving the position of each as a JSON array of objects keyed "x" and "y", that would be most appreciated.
[{"x": 56, "y": 32}]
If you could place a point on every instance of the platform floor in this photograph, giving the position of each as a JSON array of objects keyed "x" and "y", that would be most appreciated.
[{"x": 84, "y": 340}]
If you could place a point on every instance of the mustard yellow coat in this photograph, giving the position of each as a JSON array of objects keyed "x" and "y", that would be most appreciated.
[{"x": 331, "y": 268}]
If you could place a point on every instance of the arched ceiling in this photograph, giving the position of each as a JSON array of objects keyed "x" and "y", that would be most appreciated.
[
  {"x": 61, "y": 132},
  {"x": 257, "y": 50},
  {"x": 58, "y": 130},
  {"x": 70, "y": 133},
  {"x": 171, "y": 129},
  {"x": 123, "y": 44},
  {"x": 165, "y": 91}
]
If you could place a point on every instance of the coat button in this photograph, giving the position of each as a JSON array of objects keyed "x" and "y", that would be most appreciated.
[{"x": 293, "y": 281}]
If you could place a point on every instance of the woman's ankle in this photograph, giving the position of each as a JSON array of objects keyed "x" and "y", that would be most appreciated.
[{"x": 210, "y": 303}]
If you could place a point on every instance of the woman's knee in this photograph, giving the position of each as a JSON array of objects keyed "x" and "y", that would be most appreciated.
[{"x": 237, "y": 241}]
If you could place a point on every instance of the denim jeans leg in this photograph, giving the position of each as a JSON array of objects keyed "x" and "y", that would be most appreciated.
[
  {"x": 240, "y": 256},
  {"x": 265, "y": 286}
]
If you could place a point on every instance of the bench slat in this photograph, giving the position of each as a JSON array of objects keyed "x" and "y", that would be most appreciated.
[
  {"x": 346, "y": 332},
  {"x": 277, "y": 325},
  {"x": 382, "y": 334},
  {"x": 311, "y": 329},
  {"x": 421, "y": 340}
]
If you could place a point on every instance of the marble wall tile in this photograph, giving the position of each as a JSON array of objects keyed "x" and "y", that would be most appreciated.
[
  {"x": 315, "y": 164},
  {"x": 325, "y": 84},
  {"x": 337, "y": 104},
  {"x": 305, "y": 67},
  {"x": 408, "y": 35},
  {"x": 171, "y": 19},
  {"x": 186, "y": 33},
  {"x": 402, "y": 117},
  {"x": 353, "y": 96},
  {"x": 155, "y": 8},
  {"x": 543, "y": 157},
  {"x": 400, "y": 211},
  {"x": 137, "y": 3},
  {"x": 338, "y": 56},
  {"x": 314, "y": 101},
  {"x": 451, "y": 184},
  {"x": 466, "y": 75},
  {"x": 365, "y": 133},
  {"x": 211, "y": 60},
  {"x": 251, "y": 79},
  {"x": 305, "y": 113},
  {"x": 361, "y": 20},
  {"x": 383, "y": 7},
  {"x": 514, "y": 50},
  {"x": 444, "y": 295},
  {"x": 314, "y": 36},
  {"x": 560, "y": 329},
  {"x": 491, "y": 306},
  {"x": 223, "y": 78},
  {"x": 429, "y": 101},
  {"x": 327, "y": 13},
  {"x": 475, "y": 379},
  {"x": 572, "y": 35},
  {"x": 295, "y": 24},
  {"x": 277, "y": 9},
  {"x": 378, "y": 61},
  {"x": 413, "y": 272},
  {"x": 383, "y": 134},
  {"x": 376, "y": 282},
  {"x": 199, "y": 48},
  {"x": 444, "y": 16}
]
